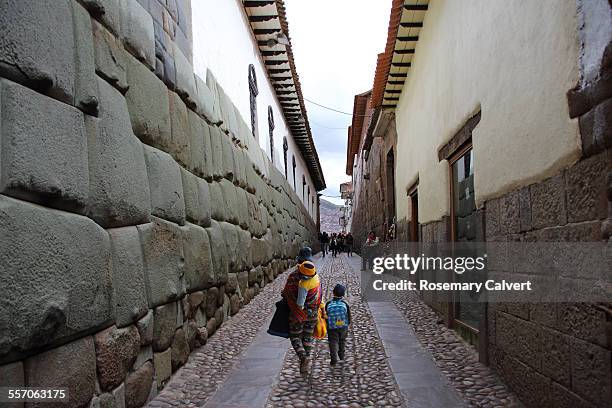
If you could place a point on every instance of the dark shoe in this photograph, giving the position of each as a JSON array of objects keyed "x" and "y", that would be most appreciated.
[
  {"x": 341, "y": 357},
  {"x": 333, "y": 363}
]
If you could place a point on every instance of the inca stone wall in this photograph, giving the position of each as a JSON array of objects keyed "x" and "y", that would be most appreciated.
[{"x": 137, "y": 212}]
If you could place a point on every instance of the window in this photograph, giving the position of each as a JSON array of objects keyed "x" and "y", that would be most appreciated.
[
  {"x": 285, "y": 148},
  {"x": 312, "y": 206},
  {"x": 465, "y": 315},
  {"x": 293, "y": 164},
  {"x": 308, "y": 200},
  {"x": 468, "y": 315},
  {"x": 253, "y": 99},
  {"x": 303, "y": 188},
  {"x": 463, "y": 205},
  {"x": 271, "y": 132}
]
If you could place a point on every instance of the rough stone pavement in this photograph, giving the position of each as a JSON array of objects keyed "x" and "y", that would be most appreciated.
[{"x": 241, "y": 366}]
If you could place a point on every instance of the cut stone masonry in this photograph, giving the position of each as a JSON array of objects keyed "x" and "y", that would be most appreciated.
[{"x": 139, "y": 212}]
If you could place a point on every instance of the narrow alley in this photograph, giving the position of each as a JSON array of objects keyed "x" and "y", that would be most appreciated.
[
  {"x": 203, "y": 202},
  {"x": 388, "y": 364}
]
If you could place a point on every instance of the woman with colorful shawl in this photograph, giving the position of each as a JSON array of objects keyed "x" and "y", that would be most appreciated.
[{"x": 303, "y": 294}]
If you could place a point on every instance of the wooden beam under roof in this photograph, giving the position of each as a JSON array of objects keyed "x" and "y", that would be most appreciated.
[
  {"x": 258, "y": 3},
  {"x": 412, "y": 24},
  {"x": 273, "y": 53},
  {"x": 276, "y": 62},
  {"x": 406, "y": 51},
  {"x": 408, "y": 38},
  {"x": 261, "y": 31},
  {"x": 415, "y": 7},
  {"x": 278, "y": 70},
  {"x": 261, "y": 19}
]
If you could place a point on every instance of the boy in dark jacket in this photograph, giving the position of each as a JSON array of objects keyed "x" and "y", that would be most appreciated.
[{"x": 338, "y": 321}]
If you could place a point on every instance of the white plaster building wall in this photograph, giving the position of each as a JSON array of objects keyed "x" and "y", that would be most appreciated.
[
  {"x": 515, "y": 60},
  {"x": 223, "y": 43}
]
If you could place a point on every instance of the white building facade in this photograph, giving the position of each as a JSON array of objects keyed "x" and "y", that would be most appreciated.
[{"x": 246, "y": 47}]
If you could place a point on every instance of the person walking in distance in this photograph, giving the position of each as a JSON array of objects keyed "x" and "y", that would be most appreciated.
[
  {"x": 348, "y": 241},
  {"x": 369, "y": 250}
]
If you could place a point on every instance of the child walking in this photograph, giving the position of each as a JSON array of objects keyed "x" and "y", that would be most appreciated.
[{"x": 338, "y": 321}]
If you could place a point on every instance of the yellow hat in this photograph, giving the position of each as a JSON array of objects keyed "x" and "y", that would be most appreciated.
[{"x": 307, "y": 268}]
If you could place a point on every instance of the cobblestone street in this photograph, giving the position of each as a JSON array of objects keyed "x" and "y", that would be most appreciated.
[{"x": 397, "y": 355}]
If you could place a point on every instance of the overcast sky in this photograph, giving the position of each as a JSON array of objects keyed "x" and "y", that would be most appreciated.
[{"x": 335, "y": 44}]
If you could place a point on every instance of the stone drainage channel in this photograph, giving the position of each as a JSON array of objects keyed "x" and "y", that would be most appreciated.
[{"x": 231, "y": 370}]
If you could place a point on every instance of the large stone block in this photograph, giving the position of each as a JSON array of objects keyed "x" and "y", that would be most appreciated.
[
  {"x": 548, "y": 207},
  {"x": 138, "y": 386},
  {"x": 240, "y": 163},
  {"x": 244, "y": 250},
  {"x": 117, "y": 194},
  {"x": 110, "y": 59},
  {"x": 164, "y": 325},
  {"x": 243, "y": 281},
  {"x": 40, "y": 55},
  {"x": 145, "y": 329},
  {"x": 179, "y": 146},
  {"x": 591, "y": 367},
  {"x": 163, "y": 367},
  {"x": 54, "y": 275},
  {"x": 129, "y": 291},
  {"x": 520, "y": 339},
  {"x": 231, "y": 237},
  {"x": 211, "y": 83},
  {"x": 510, "y": 222},
  {"x": 555, "y": 359},
  {"x": 206, "y": 102},
  {"x": 116, "y": 351},
  {"x": 596, "y": 128},
  {"x": 71, "y": 366},
  {"x": 197, "y": 199},
  {"x": 147, "y": 99},
  {"x": 185, "y": 81},
  {"x": 216, "y": 144},
  {"x": 586, "y": 190},
  {"x": 227, "y": 147},
  {"x": 166, "y": 186},
  {"x": 107, "y": 11},
  {"x": 258, "y": 251},
  {"x": 219, "y": 252},
  {"x": 204, "y": 202},
  {"x": 212, "y": 302},
  {"x": 242, "y": 209},
  {"x": 137, "y": 31},
  {"x": 180, "y": 350},
  {"x": 191, "y": 333},
  {"x": 44, "y": 149},
  {"x": 163, "y": 254},
  {"x": 208, "y": 168},
  {"x": 230, "y": 198},
  {"x": 199, "y": 272},
  {"x": 85, "y": 86},
  {"x": 217, "y": 202},
  {"x": 197, "y": 147}
]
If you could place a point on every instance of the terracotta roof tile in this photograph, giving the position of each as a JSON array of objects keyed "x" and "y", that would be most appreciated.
[{"x": 383, "y": 64}]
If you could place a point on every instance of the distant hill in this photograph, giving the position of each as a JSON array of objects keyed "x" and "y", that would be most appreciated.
[{"x": 330, "y": 213}]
